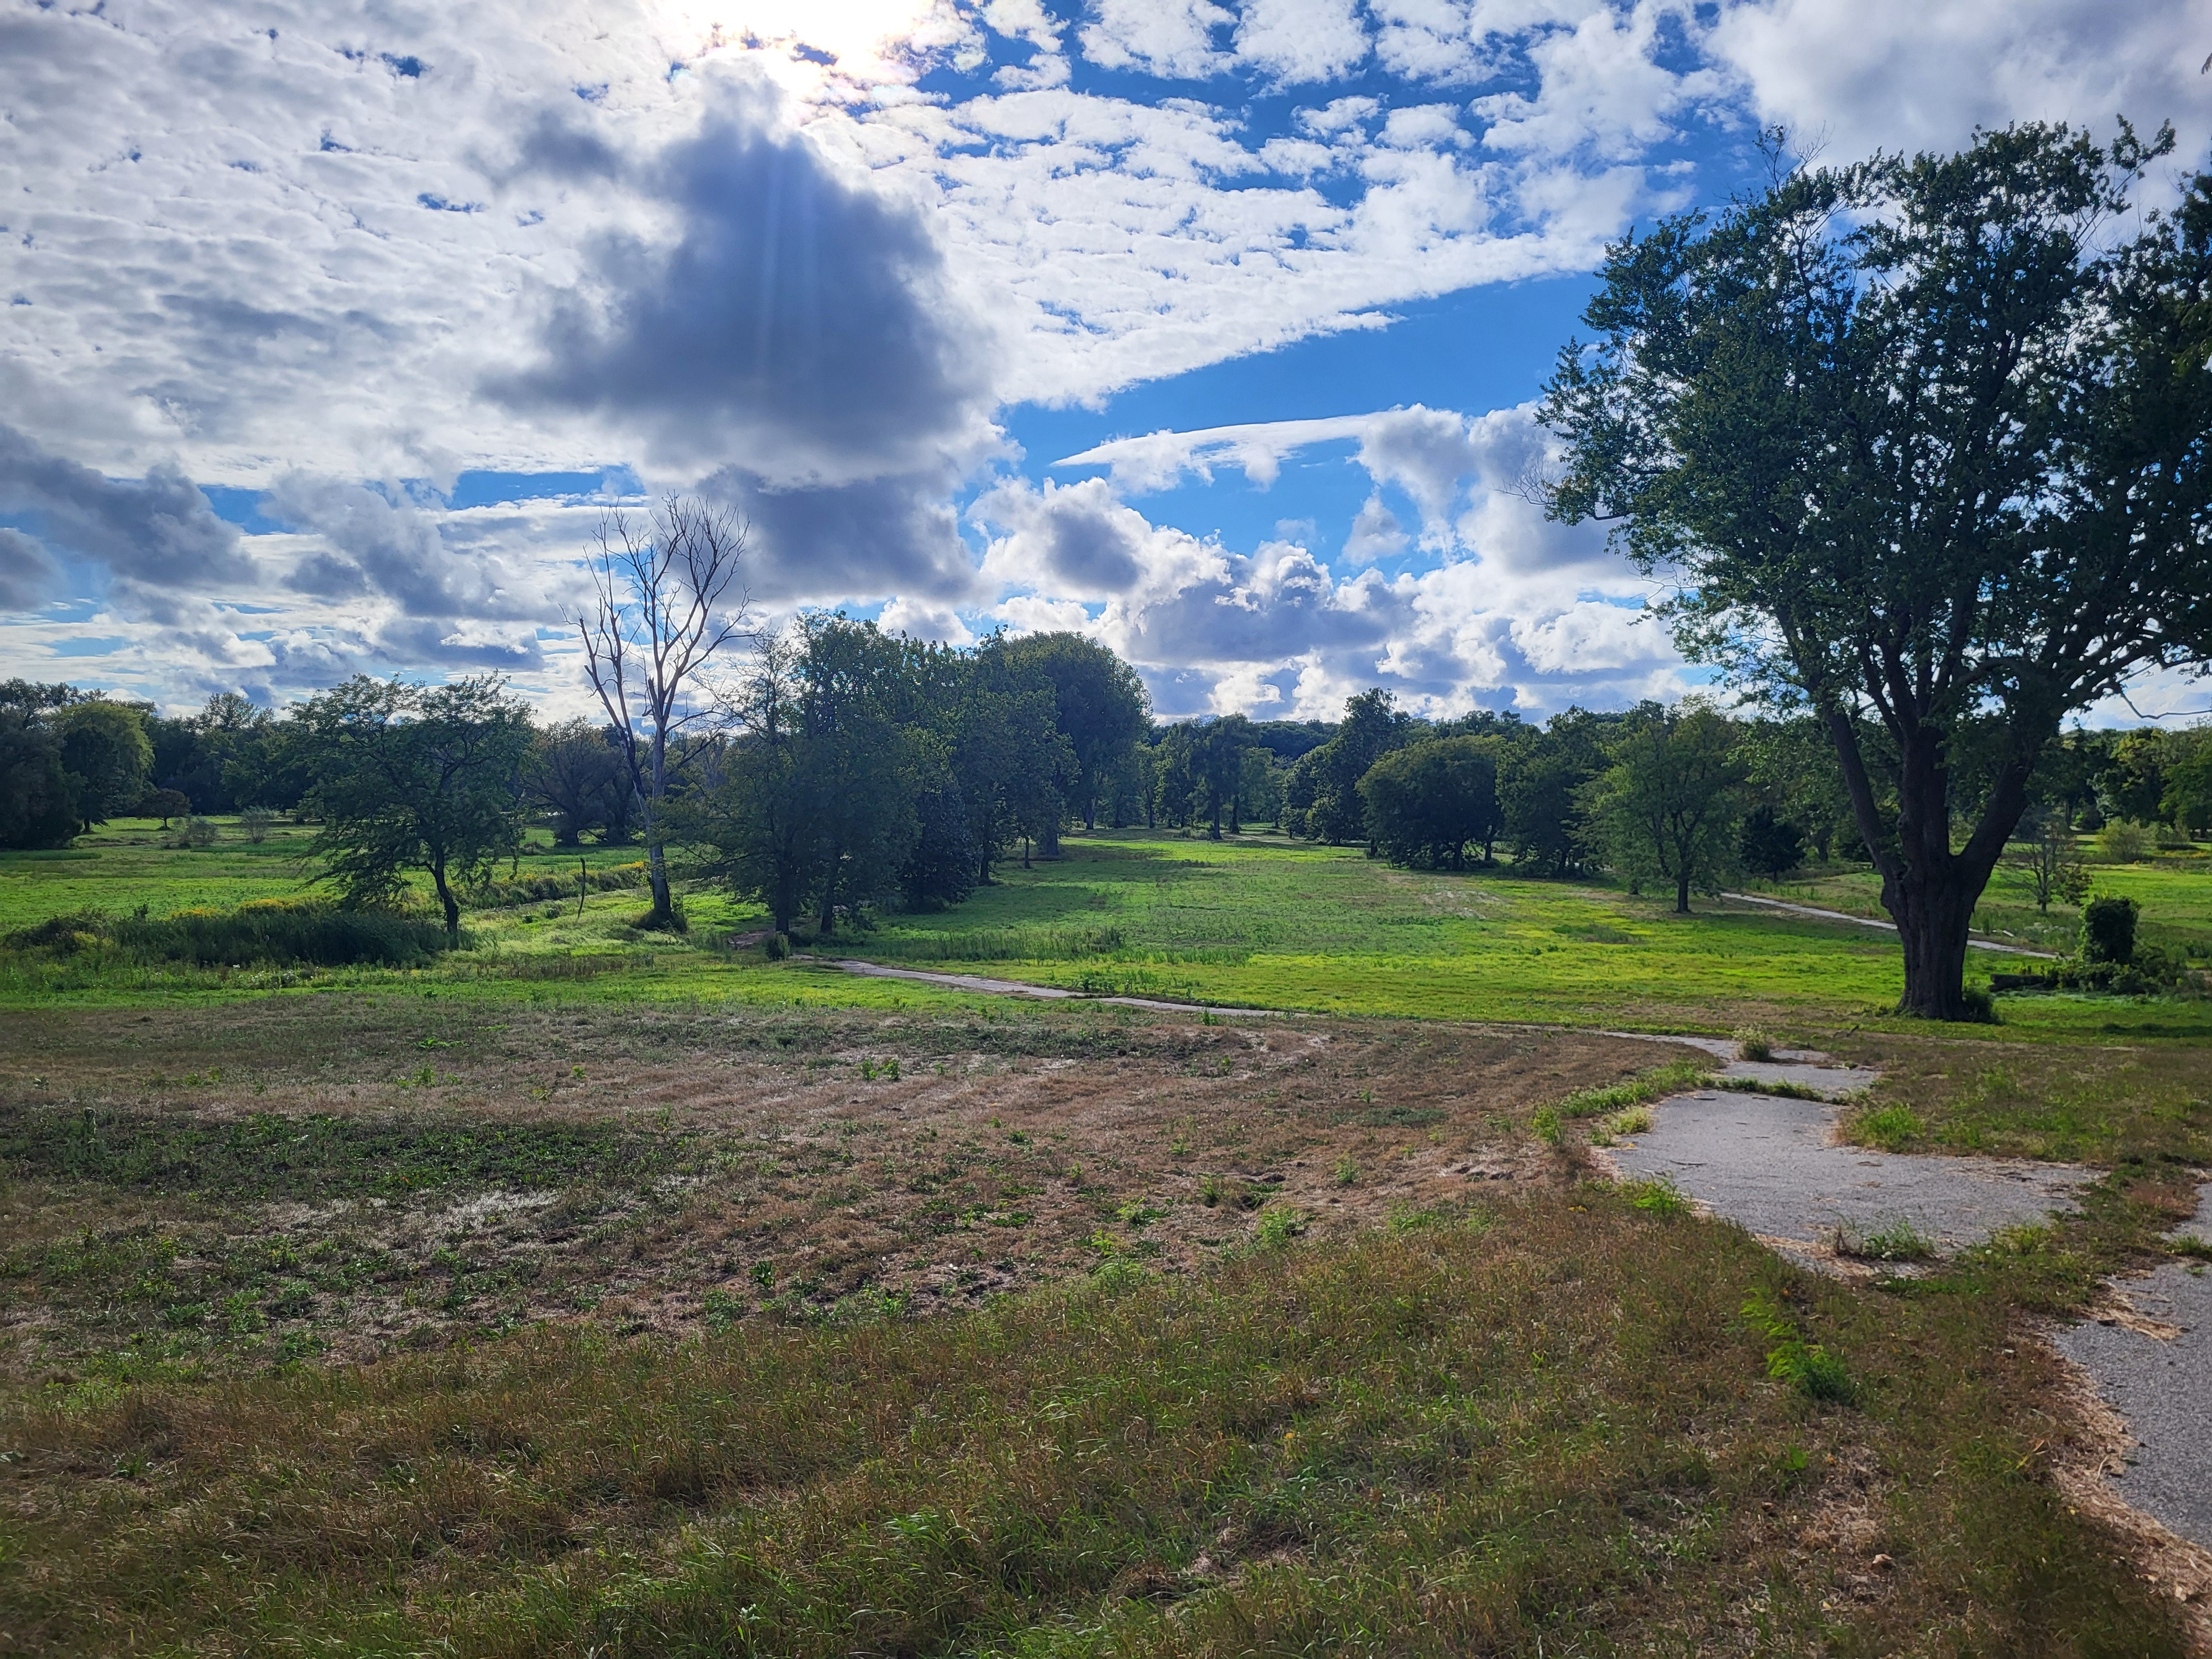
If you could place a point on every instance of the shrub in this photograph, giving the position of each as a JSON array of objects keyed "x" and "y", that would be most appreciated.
[
  {"x": 164, "y": 804},
  {"x": 255, "y": 821},
  {"x": 2108, "y": 929},
  {"x": 1751, "y": 1043},
  {"x": 2123, "y": 841},
  {"x": 196, "y": 832},
  {"x": 278, "y": 932},
  {"x": 775, "y": 947}
]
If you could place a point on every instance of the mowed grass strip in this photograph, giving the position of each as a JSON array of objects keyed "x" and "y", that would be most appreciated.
[{"x": 1558, "y": 1427}]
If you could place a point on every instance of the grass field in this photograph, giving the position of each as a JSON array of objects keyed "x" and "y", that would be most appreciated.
[
  {"x": 595, "y": 1292},
  {"x": 1256, "y": 921}
]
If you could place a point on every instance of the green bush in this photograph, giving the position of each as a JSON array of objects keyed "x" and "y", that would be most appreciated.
[
  {"x": 277, "y": 931},
  {"x": 2108, "y": 929}
]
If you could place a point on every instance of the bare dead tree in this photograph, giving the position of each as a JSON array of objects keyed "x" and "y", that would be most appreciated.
[{"x": 661, "y": 611}]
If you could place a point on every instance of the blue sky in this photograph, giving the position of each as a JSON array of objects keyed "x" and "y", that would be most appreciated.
[{"x": 1210, "y": 327}]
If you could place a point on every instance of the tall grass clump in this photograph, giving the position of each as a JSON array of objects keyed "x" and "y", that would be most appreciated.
[
  {"x": 1646, "y": 1086},
  {"x": 280, "y": 933}
]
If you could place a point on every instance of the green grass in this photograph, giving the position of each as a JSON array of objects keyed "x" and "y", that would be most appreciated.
[
  {"x": 1257, "y": 921},
  {"x": 1270, "y": 923},
  {"x": 2174, "y": 889}
]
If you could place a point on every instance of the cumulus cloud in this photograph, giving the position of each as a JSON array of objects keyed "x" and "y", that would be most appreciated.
[
  {"x": 1301, "y": 42},
  {"x": 28, "y": 575},
  {"x": 1173, "y": 38},
  {"x": 800, "y": 323},
  {"x": 1520, "y": 615},
  {"x": 1922, "y": 74},
  {"x": 159, "y": 530}
]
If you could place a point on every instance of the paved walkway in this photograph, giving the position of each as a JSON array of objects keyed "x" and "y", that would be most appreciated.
[
  {"x": 1015, "y": 987},
  {"x": 1771, "y": 1163},
  {"x": 2151, "y": 1359},
  {"x": 1819, "y": 915}
]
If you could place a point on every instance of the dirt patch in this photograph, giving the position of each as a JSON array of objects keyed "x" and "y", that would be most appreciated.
[{"x": 366, "y": 1185}]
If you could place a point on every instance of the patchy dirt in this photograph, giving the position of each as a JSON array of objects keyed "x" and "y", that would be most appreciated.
[{"x": 711, "y": 1166}]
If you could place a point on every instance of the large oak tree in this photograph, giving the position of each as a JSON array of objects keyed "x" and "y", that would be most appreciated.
[{"x": 1925, "y": 445}]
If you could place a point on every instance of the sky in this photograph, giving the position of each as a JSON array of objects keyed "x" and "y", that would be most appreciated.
[{"x": 330, "y": 333}]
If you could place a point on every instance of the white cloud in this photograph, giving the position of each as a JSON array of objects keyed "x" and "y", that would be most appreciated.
[
  {"x": 1917, "y": 74},
  {"x": 1173, "y": 38},
  {"x": 1375, "y": 533},
  {"x": 1301, "y": 42}
]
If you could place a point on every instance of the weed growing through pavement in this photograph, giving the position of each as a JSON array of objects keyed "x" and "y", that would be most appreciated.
[
  {"x": 1753, "y": 1043},
  {"x": 1894, "y": 1129},
  {"x": 1752, "y": 1085},
  {"x": 1895, "y": 1241}
]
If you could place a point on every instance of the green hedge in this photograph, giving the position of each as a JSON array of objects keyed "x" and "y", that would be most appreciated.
[{"x": 278, "y": 932}]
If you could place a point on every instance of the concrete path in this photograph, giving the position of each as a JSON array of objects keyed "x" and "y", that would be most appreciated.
[
  {"x": 1769, "y": 1162},
  {"x": 2150, "y": 1357},
  {"x": 1819, "y": 914},
  {"x": 1015, "y": 987}
]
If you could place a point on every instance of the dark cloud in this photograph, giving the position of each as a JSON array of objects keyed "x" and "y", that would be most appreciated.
[
  {"x": 158, "y": 530},
  {"x": 895, "y": 536},
  {"x": 802, "y": 325},
  {"x": 28, "y": 575}
]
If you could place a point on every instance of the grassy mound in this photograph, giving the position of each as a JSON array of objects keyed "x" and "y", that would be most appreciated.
[{"x": 280, "y": 933}]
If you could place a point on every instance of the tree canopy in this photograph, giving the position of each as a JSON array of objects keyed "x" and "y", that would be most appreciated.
[
  {"x": 1925, "y": 446},
  {"x": 409, "y": 777}
]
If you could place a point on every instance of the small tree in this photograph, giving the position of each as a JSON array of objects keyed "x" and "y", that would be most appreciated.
[
  {"x": 2049, "y": 862},
  {"x": 1769, "y": 844},
  {"x": 1670, "y": 804},
  {"x": 661, "y": 611},
  {"x": 576, "y": 774},
  {"x": 166, "y": 804},
  {"x": 409, "y": 777}
]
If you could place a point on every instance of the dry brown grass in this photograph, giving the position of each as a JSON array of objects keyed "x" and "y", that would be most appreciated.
[{"x": 1554, "y": 1427}]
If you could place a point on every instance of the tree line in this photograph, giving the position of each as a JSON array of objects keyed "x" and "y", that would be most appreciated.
[{"x": 1690, "y": 796}]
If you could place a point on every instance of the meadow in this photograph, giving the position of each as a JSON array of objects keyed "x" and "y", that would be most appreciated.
[{"x": 597, "y": 1291}]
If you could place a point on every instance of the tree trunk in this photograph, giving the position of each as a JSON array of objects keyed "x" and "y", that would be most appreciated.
[
  {"x": 656, "y": 855},
  {"x": 1682, "y": 894},
  {"x": 1049, "y": 839},
  {"x": 1928, "y": 891},
  {"x": 1932, "y": 918},
  {"x": 451, "y": 905}
]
